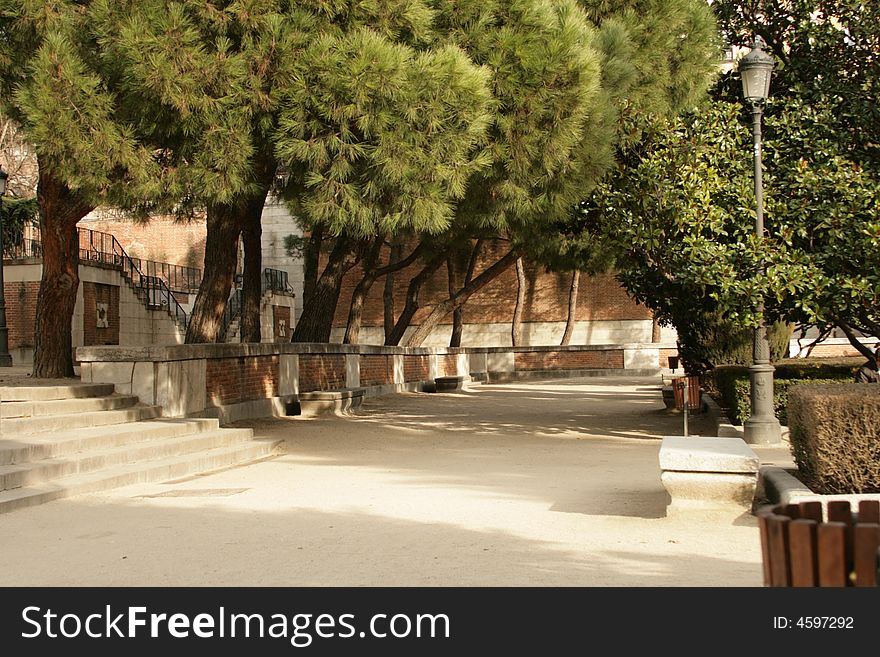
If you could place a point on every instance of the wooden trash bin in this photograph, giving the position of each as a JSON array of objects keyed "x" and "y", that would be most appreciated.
[
  {"x": 801, "y": 548},
  {"x": 690, "y": 386}
]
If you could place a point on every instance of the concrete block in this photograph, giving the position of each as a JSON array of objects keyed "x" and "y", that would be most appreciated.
[
  {"x": 143, "y": 382},
  {"x": 478, "y": 364},
  {"x": 709, "y": 491},
  {"x": 707, "y": 454},
  {"x": 641, "y": 359},
  {"x": 352, "y": 371},
  {"x": 119, "y": 372},
  {"x": 705, "y": 473},
  {"x": 500, "y": 361},
  {"x": 288, "y": 374},
  {"x": 180, "y": 387},
  {"x": 398, "y": 374},
  {"x": 433, "y": 366}
]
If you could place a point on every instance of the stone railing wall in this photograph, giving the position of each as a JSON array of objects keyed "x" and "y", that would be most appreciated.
[{"x": 236, "y": 381}]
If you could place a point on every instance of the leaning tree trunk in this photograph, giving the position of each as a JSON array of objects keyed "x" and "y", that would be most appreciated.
[
  {"x": 221, "y": 256},
  {"x": 311, "y": 258},
  {"x": 572, "y": 308},
  {"x": 445, "y": 307},
  {"x": 252, "y": 276},
  {"x": 458, "y": 313},
  {"x": 412, "y": 299},
  {"x": 60, "y": 210},
  {"x": 361, "y": 290},
  {"x": 516, "y": 324},
  {"x": 388, "y": 293},
  {"x": 316, "y": 321}
]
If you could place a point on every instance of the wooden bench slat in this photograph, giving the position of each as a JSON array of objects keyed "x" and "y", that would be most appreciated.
[
  {"x": 780, "y": 569},
  {"x": 866, "y": 542},
  {"x": 811, "y": 511},
  {"x": 839, "y": 511},
  {"x": 802, "y": 537},
  {"x": 763, "y": 522},
  {"x": 832, "y": 554},
  {"x": 793, "y": 511},
  {"x": 869, "y": 511}
]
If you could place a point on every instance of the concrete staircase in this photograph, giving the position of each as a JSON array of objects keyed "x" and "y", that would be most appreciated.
[{"x": 58, "y": 441}]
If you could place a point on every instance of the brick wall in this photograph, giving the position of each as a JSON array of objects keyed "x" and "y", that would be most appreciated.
[
  {"x": 321, "y": 372},
  {"x": 664, "y": 357},
  {"x": 108, "y": 297},
  {"x": 416, "y": 368},
  {"x": 568, "y": 360},
  {"x": 281, "y": 323},
  {"x": 162, "y": 239},
  {"x": 21, "y": 312},
  {"x": 447, "y": 365},
  {"x": 600, "y": 297},
  {"x": 376, "y": 370},
  {"x": 235, "y": 380}
]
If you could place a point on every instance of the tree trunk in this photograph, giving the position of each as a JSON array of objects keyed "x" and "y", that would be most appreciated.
[
  {"x": 572, "y": 308},
  {"x": 361, "y": 290},
  {"x": 252, "y": 276},
  {"x": 516, "y": 324},
  {"x": 458, "y": 313},
  {"x": 311, "y": 258},
  {"x": 412, "y": 299},
  {"x": 60, "y": 210},
  {"x": 388, "y": 293},
  {"x": 865, "y": 351},
  {"x": 221, "y": 258},
  {"x": 445, "y": 307},
  {"x": 316, "y": 321},
  {"x": 655, "y": 329}
]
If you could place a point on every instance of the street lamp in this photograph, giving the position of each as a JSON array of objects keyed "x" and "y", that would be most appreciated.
[
  {"x": 762, "y": 427},
  {"x": 5, "y": 357}
]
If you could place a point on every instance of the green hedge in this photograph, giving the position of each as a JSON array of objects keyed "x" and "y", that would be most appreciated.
[
  {"x": 835, "y": 437},
  {"x": 729, "y": 384},
  {"x": 741, "y": 404}
]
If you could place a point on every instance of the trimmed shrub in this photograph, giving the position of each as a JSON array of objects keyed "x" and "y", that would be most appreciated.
[
  {"x": 729, "y": 384},
  {"x": 741, "y": 406},
  {"x": 835, "y": 436}
]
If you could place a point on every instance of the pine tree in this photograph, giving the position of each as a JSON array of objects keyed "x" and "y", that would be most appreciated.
[{"x": 52, "y": 85}]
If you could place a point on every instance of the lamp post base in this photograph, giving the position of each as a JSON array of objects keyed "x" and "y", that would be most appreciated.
[
  {"x": 762, "y": 427},
  {"x": 761, "y": 431}
]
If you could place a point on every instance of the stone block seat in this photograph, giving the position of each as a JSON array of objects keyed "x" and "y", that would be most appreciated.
[
  {"x": 708, "y": 474},
  {"x": 451, "y": 383},
  {"x": 316, "y": 402}
]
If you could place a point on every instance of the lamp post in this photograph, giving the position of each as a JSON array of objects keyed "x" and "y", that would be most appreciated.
[
  {"x": 762, "y": 427},
  {"x": 5, "y": 357}
]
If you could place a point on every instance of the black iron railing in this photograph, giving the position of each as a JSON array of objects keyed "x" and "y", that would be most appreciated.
[
  {"x": 22, "y": 248},
  {"x": 230, "y": 313},
  {"x": 104, "y": 248},
  {"x": 274, "y": 280}
]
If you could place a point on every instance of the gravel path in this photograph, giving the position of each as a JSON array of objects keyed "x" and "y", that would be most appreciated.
[{"x": 553, "y": 483}]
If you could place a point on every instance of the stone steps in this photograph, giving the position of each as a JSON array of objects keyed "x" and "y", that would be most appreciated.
[
  {"x": 16, "y": 409},
  {"x": 47, "y": 393},
  {"x": 30, "y": 425},
  {"x": 34, "y": 447},
  {"x": 57, "y": 441},
  {"x": 133, "y": 473}
]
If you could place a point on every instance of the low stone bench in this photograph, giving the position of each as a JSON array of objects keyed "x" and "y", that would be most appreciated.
[
  {"x": 708, "y": 474},
  {"x": 326, "y": 401},
  {"x": 451, "y": 383}
]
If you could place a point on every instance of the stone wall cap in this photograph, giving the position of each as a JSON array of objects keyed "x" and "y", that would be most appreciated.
[{"x": 707, "y": 454}]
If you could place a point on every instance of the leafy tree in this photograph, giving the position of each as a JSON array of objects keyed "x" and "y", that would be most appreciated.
[
  {"x": 53, "y": 87},
  {"x": 562, "y": 74}
]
